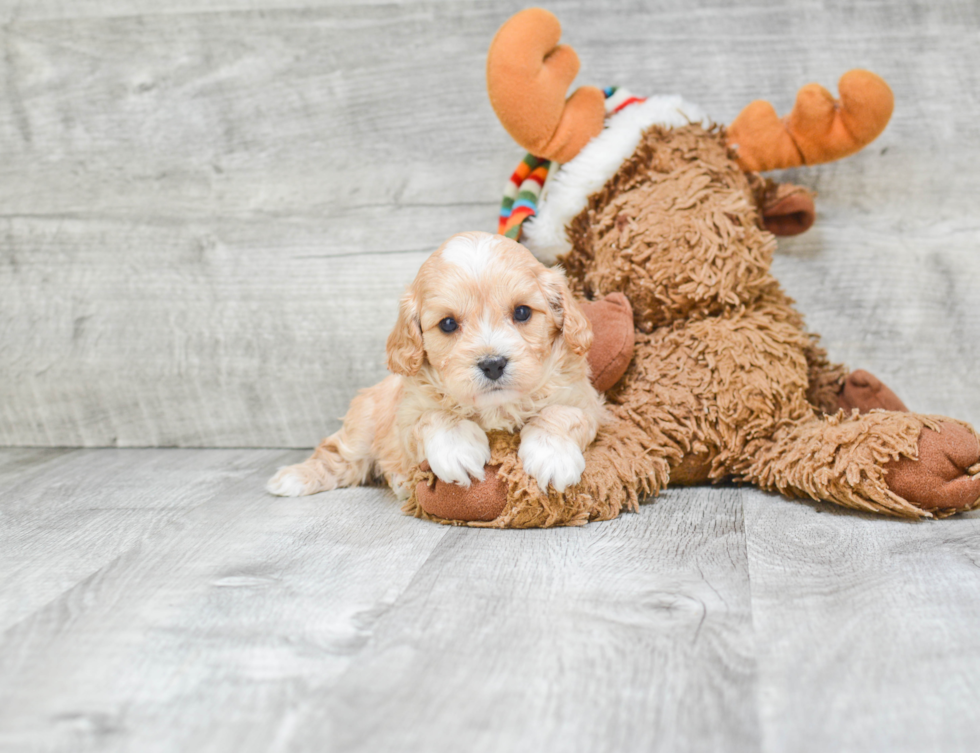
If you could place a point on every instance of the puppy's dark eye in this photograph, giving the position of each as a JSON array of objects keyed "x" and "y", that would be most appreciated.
[
  {"x": 522, "y": 314},
  {"x": 448, "y": 325}
]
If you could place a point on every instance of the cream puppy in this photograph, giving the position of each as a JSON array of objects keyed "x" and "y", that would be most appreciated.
[{"x": 487, "y": 338}]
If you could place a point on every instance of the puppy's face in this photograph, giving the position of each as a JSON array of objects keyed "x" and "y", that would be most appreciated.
[{"x": 490, "y": 320}]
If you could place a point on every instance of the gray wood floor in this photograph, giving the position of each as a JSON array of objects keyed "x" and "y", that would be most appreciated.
[{"x": 159, "y": 600}]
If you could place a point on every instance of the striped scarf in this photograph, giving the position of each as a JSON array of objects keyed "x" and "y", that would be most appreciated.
[{"x": 523, "y": 190}]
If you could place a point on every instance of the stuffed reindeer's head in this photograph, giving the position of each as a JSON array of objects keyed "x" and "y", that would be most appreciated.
[{"x": 651, "y": 198}]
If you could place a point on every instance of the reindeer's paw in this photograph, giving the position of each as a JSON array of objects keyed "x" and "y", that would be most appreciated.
[
  {"x": 481, "y": 500},
  {"x": 945, "y": 478}
]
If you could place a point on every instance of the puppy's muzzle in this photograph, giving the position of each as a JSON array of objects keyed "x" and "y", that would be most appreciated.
[{"x": 493, "y": 368}]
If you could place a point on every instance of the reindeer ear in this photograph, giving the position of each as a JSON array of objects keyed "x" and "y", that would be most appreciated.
[
  {"x": 575, "y": 327},
  {"x": 405, "y": 348}
]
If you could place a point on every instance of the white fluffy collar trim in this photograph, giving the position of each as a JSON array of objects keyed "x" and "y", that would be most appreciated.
[{"x": 567, "y": 190}]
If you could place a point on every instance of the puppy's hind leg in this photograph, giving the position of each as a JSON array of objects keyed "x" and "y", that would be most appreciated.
[
  {"x": 342, "y": 459},
  {"x": 319, "y": 473}
]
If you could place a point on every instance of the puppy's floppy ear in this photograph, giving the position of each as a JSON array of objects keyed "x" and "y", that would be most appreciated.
[
  {"x": 405, "y": 349},
  {"x": 575, "y": 328}
]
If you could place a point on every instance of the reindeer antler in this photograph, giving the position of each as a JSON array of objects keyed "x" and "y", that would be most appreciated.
[
  {"x": 819, "y": 129},
  {"x": 528, "y": 73}
]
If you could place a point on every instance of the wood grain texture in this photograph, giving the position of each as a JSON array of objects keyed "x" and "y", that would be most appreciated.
[
  {"x": 208, "y": 209},
  {"x": 866, "y": 629},
  {"x": 634, "y": 635},
  {"x": 160, "y": 600}
]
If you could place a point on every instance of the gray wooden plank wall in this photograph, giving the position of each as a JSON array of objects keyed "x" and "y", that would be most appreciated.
[{"x": 208, "y": 209}]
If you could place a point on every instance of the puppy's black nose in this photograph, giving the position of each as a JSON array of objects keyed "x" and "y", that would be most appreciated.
[{"x": 493, "y": 367}]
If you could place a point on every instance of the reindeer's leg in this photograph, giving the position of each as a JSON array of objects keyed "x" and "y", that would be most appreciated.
[
  {"x": 903, "y": 464},
  {"x": 826, "y": 380}
]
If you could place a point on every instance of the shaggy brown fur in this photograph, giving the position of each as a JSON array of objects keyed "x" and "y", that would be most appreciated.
[{"x": 725, "y": 382}]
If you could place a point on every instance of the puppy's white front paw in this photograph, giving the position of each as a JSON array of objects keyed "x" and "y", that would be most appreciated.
[
  {"x": 400, "y": 486},
  {"x": 458, "y": 452},
  {"x": 550, "y": 459},
  {"x": 298, "y": 481}
]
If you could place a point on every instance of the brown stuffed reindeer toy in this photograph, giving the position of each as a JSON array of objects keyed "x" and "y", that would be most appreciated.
[{"x": 653, "y": 201}]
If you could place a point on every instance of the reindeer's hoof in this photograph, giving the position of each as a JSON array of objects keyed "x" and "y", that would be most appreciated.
[
  {"x": 864, "y": 391},
  {"x": 481, "y": 500},
  {"x": 945, "y": 479}
]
